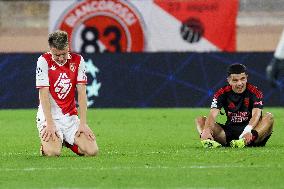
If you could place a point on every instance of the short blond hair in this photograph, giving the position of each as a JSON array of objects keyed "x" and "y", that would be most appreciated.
[{"x": 58, "y": 39}]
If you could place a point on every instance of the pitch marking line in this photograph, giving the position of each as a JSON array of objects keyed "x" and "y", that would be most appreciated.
[{"x": 29, "y": 169}]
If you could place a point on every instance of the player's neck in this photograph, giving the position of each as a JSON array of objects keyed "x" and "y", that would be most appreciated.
[{"x": 60, "y": 64}]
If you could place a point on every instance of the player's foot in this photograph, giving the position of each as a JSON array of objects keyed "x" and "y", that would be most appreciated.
[
  {"x": 73, "y": 147},
  {"x": 210, "y": 144},
  {"x": 238, "y": 143}
]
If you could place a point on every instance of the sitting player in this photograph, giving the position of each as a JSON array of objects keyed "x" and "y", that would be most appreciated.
[{"x": 243, "y": 105}]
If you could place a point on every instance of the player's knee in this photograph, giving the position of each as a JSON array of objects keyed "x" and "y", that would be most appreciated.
[
  {"x": 200, "y": 120},
  {"x": 269, "y": 117},
  {"x": 52, "y": 152},
  {"x": 92, "y": 150}
]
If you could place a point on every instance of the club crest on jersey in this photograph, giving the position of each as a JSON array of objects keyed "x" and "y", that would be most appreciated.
[
  {"x": 96, "y": 26},
  {"x": 231, "y": 105},
  {"x": 72, "y": 67},
  {"x": 246, "y": 102}
]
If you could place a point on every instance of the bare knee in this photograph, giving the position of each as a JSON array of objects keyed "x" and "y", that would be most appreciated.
[
  {"x": 200, "y": 122},
  {"x": 92, "y": 150},
  {"x": 269, "y": 117},
  {"x": 87, "y": 147},
  {"x": 51, "y": 151}
]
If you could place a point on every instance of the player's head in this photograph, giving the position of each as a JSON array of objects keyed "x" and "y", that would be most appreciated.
[
  {"x": 58, "y": 44},
  {"x": 237, "y": 77}
]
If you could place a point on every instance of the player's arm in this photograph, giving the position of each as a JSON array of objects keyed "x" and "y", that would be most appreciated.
[
  {"x": 255, "y": 118},
  {"x": 49, "y": 130},
  {"x": 42, "y": 83},
  {"x": 82, "y": 101},
  {"x": 246, "y": 134},
  {"x": 209, "y": 124}
]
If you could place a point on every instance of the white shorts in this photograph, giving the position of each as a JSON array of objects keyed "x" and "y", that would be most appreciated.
[{"x": 66, "y": 126}]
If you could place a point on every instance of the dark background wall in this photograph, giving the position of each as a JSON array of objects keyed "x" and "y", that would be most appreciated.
[{"x": 141, "y": 79}]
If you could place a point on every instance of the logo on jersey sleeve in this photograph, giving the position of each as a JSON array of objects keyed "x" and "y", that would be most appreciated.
[
  {"x": 62, "y": 86},
  {"x": 214, "y": 103}
]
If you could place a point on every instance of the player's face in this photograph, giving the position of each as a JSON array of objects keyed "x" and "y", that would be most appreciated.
[
  {"x": 59, "y": 56},
  {"x": 238, "y": 82}
]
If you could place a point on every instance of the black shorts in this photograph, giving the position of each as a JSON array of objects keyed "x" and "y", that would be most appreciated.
[{"x": 233, "y": 133}]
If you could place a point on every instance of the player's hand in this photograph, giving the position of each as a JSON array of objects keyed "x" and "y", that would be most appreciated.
[
  {"x": 206, "y": 134},
  {"x": 48, "y": 132},
  {"x": 247, "y": 137},
  {"x": 246, "y": 134},
  {"x": 85, "y": 129}
]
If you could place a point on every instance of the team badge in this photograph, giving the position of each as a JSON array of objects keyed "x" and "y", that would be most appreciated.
[
  {"x": 96, "y": 26},
  {"x": 246, "y": 102},
  {"x": 72, "y": 67}
]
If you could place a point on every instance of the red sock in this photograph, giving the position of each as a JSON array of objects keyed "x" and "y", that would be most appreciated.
[{"x": 74, "y": 148}]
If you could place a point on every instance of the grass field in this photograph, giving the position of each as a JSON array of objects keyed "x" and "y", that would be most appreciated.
[{"x": 139, "y": 148}]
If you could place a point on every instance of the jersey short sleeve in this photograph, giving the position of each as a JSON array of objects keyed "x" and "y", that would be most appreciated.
[
  {"x": 42, "y": 79},
  {"x": 258, "y": 100},
  {"x": 218, "y": 98},
  {"x": 82, "y": 77}
]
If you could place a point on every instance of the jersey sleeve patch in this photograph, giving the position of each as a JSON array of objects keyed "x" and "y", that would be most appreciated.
[{"x": 42, "y": 73}]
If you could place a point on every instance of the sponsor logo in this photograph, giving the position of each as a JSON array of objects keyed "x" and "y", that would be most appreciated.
[
  {"x": 238, "y": 117},
  {"x": 96, "y": 26},
  {"x": 62, "y": 86}
]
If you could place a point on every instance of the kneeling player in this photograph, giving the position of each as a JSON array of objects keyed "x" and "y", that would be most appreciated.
[{"x": 59, "y": 73}]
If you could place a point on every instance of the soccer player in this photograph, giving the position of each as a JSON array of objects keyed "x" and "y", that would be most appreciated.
[
  {"x": 243, "y": 103},
  {"x": 276, "y": 65},
  {"x": 58, "y": 74}
]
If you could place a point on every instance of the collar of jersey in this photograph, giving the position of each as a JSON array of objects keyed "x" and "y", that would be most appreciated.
[{"x": 69, "y": 57}]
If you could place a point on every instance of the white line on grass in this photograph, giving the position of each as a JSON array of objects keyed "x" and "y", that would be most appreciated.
[{"x": 131, "y": 168}]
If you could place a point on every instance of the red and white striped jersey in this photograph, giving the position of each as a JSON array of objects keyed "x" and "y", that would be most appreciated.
[{"x": 62, "y": 81}]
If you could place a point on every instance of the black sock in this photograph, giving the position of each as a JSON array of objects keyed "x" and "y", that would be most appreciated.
[{"x": 254, "y": 135}]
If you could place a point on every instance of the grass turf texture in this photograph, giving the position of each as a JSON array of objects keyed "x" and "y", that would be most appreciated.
[{"x": 139, "y": 148}]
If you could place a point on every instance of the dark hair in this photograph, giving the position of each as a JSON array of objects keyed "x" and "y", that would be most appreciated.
[
  {"x": 236, "y": 69},
  {"x": 58, "y": 39}
]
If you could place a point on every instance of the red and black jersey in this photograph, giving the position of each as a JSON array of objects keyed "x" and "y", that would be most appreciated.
[{"x": 238, "y": 107}]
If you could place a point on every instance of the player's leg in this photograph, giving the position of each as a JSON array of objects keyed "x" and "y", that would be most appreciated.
[
  {"x": 80, "y": 145},
  {"x": 217, "y": 131},
  {"x": 52, "y": 147},
  {"x": 263, "y": 130},
  {"x": 200, "y": 123},
  {"x": 86, "y": 146}
]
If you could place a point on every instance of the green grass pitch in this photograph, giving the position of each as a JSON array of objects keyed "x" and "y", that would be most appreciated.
[{"x": 139, "y": 148}]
